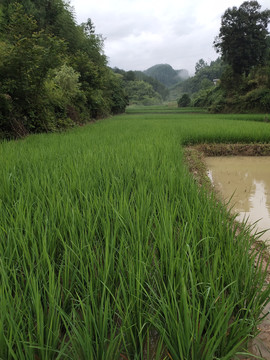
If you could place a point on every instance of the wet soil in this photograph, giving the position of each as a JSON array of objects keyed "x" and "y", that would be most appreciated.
[{"x": 232, "y": 149}]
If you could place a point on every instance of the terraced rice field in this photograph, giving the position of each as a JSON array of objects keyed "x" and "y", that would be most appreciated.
[{"x": 110, "y": 250}]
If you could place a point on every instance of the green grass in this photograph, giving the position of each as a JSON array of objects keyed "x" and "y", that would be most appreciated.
[{"x": 109, "y": 249}]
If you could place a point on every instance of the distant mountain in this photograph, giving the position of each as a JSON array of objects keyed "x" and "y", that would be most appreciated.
[{"x": 165, "y": 74}]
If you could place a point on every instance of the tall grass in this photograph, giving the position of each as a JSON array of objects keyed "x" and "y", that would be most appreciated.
[{"x": 109, "y": 250}]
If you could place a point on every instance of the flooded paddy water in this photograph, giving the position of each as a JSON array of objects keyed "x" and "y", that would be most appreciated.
[{"x": 245, "y": 181}]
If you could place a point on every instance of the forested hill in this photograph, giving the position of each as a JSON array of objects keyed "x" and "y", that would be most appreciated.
[
  {"x": 165, "y": 74},
  {"x": 53, "y": 72}
]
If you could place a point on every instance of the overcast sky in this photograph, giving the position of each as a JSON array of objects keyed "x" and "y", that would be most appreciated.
[{"x": 142, "y": 33}]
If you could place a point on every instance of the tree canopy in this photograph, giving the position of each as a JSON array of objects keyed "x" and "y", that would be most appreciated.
[
  {"x": 142, "y": 89},
  {"x": 242, "y": 40},
  {"x": 53, "y": 72}
]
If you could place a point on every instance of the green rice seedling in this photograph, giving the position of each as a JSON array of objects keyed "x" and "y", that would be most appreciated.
[{"x": 110, "y": 250}]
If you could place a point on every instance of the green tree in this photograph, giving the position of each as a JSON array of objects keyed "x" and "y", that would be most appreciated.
[
  {"x": 53, "y": 16},
  {"x": 140, "y": 92},
  {"x": 53, "y": 72},
  {"x": 200, "y": 65},
  {"x": 205, "y": 74},
  {"x": 116, "y": 93},
  {"x": 62, "y": 86},
  {"x": 25, "y": 59},
  {"x": 242, "y": 40},
  {"x": 130, "y": 76},
  {"x": 184, "y": 101},
  {"x": 157, "y": 85}
]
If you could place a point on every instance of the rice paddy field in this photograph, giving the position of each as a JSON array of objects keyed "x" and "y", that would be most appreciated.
[{"x": 109, "y": 250}]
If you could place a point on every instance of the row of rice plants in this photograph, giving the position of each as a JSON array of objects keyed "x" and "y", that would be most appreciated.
[
  {"x": 109, "y": 250},
  {"x": 161, "y": 109}
]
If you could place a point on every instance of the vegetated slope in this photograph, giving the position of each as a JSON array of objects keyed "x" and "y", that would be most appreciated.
[
  {"x": 166, "y": 74},
  {"x": 201, "y": 82},
  {"x": 53, "y": 71},
  {"x": 142, "y": 89},
  {"x": 244, "y": 84},
  {"x": 109, "y": 248}
]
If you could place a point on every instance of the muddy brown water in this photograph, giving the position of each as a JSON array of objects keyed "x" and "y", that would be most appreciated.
[{"x": 246, "y": 181}]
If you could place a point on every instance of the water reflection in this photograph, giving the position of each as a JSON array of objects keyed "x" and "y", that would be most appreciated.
[{"x": 247, "y": 181}]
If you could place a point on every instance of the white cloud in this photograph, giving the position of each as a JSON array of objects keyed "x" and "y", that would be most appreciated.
[{"x": 142, "y": 33}]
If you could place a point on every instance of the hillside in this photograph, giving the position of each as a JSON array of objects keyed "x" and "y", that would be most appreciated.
[{"x": 165, "y": 74}]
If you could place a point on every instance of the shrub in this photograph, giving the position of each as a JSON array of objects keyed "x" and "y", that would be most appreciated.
[
  {"x": 184, "y": 101},
  {"x": 257, "y": 100}
]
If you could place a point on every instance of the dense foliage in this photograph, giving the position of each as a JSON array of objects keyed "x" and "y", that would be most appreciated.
[
  {"x": 53, "y": 72},
  {"x": 204, "y": 76},
  {"x": 245, "y": 47},
  {"x": 184, "y": 101},
  {"x": 203, "y": 79},
  {"x": 237, "y": 93},
  {"x": 242, "y": 37},
  {"x": 242, "y": 74},
  {"x": 142, "y": 89}
]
